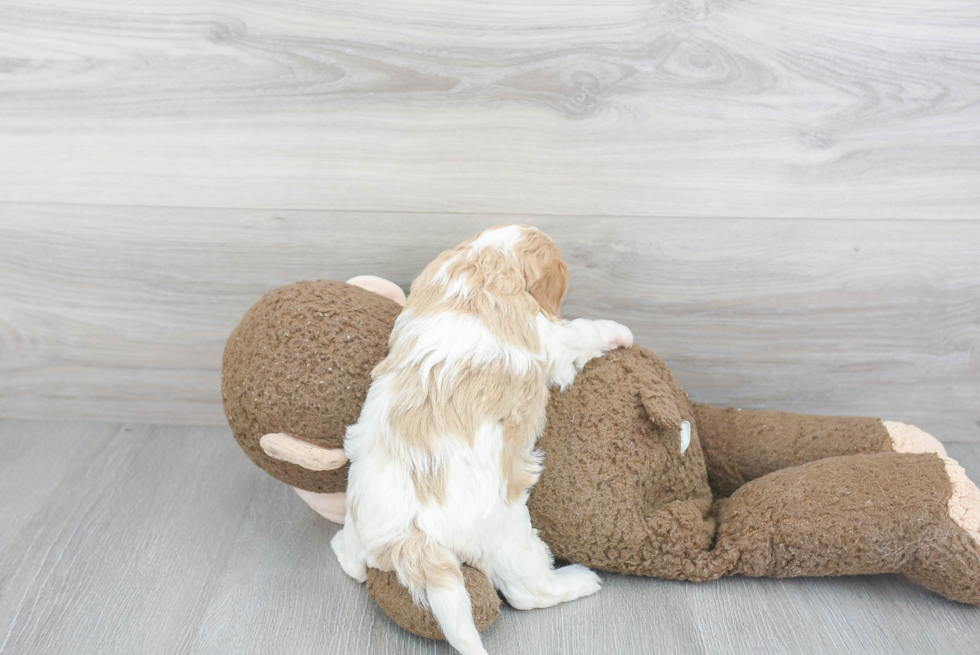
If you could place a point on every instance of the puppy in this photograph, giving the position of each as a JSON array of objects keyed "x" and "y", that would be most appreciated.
[{"x": 442, "y": 456}]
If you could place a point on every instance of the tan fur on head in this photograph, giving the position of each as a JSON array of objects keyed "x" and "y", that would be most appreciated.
[{"x": 531, "y": 276}]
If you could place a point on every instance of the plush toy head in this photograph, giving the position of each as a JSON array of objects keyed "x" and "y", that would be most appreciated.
[{"x": 300, "y": 363}]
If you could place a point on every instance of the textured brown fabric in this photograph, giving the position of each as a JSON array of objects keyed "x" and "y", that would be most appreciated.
[
  {"x": 300, "y": 362},
  {"x": 394, "y": 599},
  {"x": 616, "y": 493},
  {"x": 859, "y": 514},
  {"x": 742, "y": 445}
]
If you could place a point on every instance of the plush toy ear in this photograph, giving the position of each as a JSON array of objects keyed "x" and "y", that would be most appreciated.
[
  {"x": 661, "y": 407},
  {"x": 379, "y": 285},
  {"x": 310, "y": 456}
]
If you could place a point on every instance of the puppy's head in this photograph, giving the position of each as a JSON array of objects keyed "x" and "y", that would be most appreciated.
[
  {"x": 501, "y": 261},
  {"x": 545, "y": 273}
]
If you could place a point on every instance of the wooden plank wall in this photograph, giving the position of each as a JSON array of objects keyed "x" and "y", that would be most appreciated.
[{"x": 781, "y": 197}]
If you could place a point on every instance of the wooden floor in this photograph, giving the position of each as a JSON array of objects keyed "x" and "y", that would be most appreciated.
[{"x": 126, "y": 539}]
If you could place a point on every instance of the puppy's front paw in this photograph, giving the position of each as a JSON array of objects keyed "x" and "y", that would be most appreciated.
[{"x": 613, "y": 335}]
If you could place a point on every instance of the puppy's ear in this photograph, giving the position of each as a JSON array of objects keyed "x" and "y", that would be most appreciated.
[{"x": 551, "y": 284}]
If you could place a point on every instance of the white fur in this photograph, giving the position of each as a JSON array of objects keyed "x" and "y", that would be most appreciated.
[
  {"x": 503, "y": 238},
  {"x": 476, "y": 524}
]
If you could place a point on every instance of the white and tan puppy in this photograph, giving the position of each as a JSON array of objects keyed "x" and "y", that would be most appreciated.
[{"x": 442, "y": 456}]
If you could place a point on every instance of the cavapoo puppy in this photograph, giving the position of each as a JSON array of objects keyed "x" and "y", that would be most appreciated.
[{"x": 442, "y": 456}]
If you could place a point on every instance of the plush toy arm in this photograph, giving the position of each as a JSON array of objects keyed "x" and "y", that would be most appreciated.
[{"x": 741, "y": 445}]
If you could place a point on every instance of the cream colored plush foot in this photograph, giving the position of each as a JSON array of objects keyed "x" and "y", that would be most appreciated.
[
  {"x": 380, "y": 285},
  {"x": 910, "y": 439},
  {"x": 964, "y": 504}
]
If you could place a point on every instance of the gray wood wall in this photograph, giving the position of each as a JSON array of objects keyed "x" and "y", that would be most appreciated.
[{"x": 780, "y": 197}]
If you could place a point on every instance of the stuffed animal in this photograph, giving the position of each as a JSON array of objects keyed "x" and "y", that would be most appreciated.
[{"x": 637, "y": 479}]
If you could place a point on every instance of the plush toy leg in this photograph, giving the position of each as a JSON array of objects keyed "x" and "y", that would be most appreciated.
[
  {"x": 916, "y": 514},
  {"x": 742, "y": 445}
]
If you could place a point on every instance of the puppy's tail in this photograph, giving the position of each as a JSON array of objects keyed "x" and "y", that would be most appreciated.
[{"x": 431, "y": 573}]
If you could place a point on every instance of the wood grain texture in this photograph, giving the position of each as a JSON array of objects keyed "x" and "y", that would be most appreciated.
[
  {"x": 26, "y": 485},
  {"x": 123, "y": 312},
  {"x": 167, "y": 539},
  {"x": 126, "y": 546},
  {"x": 763, "y": 108}
]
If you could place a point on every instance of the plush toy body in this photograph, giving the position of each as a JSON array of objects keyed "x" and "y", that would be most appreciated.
[{"x": 637, "y": 479}]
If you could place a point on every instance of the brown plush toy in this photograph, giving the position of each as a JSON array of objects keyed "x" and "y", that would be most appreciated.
[{"x": 637, "y": 478}]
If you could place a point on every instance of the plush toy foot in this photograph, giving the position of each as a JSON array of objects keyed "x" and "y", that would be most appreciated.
[
  {"x": 394, "y": 599},
  {"x": 950, "y": 565},
  {"x": 948, "y": 562},
  {"x": 907, "y": 438},
  {"x": 889, "y": 512}
]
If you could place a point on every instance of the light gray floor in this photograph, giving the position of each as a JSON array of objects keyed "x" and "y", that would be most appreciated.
[{"x": 127, "y": 539}]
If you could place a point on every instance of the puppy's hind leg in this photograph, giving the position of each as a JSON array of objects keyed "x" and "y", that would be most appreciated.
[
  {"x": 350, "y": 552},
  {"x": 522, "y": 569},
  {"x": 432, "y": 571}
]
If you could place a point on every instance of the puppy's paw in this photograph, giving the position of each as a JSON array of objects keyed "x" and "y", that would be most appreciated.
[
  {"x": 613, "y": 335},
  {"x": 349, "y": 562},
  {"x": 557, "y": 586},
  {"x": 577, "y": 582}
]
